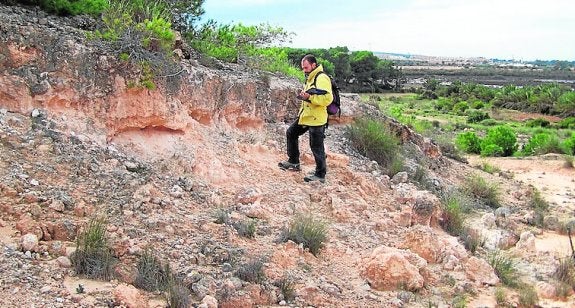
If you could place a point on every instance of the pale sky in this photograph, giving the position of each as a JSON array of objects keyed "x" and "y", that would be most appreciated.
[{"x": 504, "y": 29}]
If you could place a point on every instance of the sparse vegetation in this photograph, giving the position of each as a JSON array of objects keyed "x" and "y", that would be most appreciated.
[
  {"x": 565, "y": 272},
  {"x": 372, "y": 139},
  {"x": 505, "y": 268},
  {"x": 152, "y": 275},
  {"x": 477, "y": 187},
  {"x": 246, "y": 228},
  {"x": 307, "y": 230},
  {"x": 287, "y": 287},
  {"x": 527, "y": 296},
  {"x": 94, "y": 257},
  {"x": 251, "y": 271}
]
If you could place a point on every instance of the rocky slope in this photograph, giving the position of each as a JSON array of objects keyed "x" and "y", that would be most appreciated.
[{"x": 76, "y": 142}]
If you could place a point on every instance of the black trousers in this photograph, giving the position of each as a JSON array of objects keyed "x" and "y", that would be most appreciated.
[{"x": 316, "y": 137}]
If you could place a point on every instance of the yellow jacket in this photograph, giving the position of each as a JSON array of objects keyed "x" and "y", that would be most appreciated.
[{"x": 313, "y": 112}]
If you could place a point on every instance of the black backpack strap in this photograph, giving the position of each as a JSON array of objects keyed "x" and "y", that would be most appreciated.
[{"x": 315, "y": 78}]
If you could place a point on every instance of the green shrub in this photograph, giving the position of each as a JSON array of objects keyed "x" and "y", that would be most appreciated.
[
  {"x": 503, "y": 137},
  {"x": 151, "y": 276},
  {"x": 468, "y": 142},
  {"x": 93, "y": 257},
  {"x": 541, "y": 143},
  {"x": 372, "y": 139},
  {"x": 460, "y": 108},
  {"x": 477, "y": 187},
  {"x": 489, "y": 122},
  {"x": 539, "y": 122},
  {"x": 476, "y": 116},
  {"x": 568, "y": 122},
  {"x": 489, "y": 168},
  {"x": 492, "y": 150},
  {"x": 74, "y": 7},
  {"x": 307, "y": 230},
  {"x": 568, "y": 145},
  {"x": 504, "y": 268},
  {"x": 568, "y": 161}
]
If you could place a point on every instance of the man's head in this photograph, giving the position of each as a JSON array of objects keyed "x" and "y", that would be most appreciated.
[{"x": 308, "y": 63}]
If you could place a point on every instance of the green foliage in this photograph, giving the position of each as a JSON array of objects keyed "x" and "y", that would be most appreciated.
[
  {"x": 372, "y": 139},
  {"x": 476, "y": 116},
  {"x": 452, "y": 217},
  {"x": 541, "y": 143},
  {"x": 460, "y": 108},
  {"x": 307, "y": 230},
  {"x": 478, "y": 187},
  {"x": 505, "y": 268},
  {"x": 501, "y": 296},
  {"x": 489, "y": 168},
  {"x": 568, "y": 122},
  {"x": 568, "y": 145},
  {"x": 500, "y": 140},
  {"x": 252, "y": 271},
  {"x": 74, "y": 7},
  {"x": 539, "y": 122},
  {"x": 93, "y": 257},
  {"x": 468, "y": 142},
  {"x": 151, "y": 276}
]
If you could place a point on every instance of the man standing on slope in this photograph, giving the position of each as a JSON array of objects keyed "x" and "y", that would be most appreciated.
[{"x": 315, "y": 97}]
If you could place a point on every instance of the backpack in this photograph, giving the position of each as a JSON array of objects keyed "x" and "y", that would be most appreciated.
[{"x": 335, "y": 106}]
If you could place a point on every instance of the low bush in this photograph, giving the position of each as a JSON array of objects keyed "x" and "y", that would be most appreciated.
[
  {"x": 541, "y": 143},
  {"x": 468, "y": 142},
  {"x": 476, "y": 116},
  {"x": 568, "y": 145},
  {"x": 539, "y": 122},
  {"x": 307, "y": 230},
  {"x": 500, "y": 140}
]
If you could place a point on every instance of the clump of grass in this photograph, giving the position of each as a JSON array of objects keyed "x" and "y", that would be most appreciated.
[
  {"x": 252, "y": 271},
  {"x": 94, "y": 257},
  {"x": 177, "y": 295},
  {"x": 487, "y": 167},
  {"x": 287, "y": 287},
  {"x": 565, "y": 272},
  {"x": 504, "y": 268},
  {"x": 471, "y": 240},
  {"x": 372, "y": 139},
  {"x": 246, "y": 228},
  {"x": 527, "y": 296},
  {"x": 477, "y": 187},
  {"x": 539, "y": 206},
  {"x": 501, "y": 297},
  {"x": 307, "y": 230},
  {"x": 151, "y": 276},
  {"x": 452, "y": 216}
]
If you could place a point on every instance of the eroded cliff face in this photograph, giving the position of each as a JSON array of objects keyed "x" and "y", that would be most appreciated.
[{"x": 46, "y": 62}]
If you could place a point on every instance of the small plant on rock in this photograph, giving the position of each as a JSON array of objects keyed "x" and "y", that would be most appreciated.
[
  {"x": 246, "y": 228},
  {"x": 487, "y": 193},
  {"x": 504, "y": 268},
  {"x": 93, "y": 257},
  {"x": 287, "y": 288},
  {"x": 307, "y": 230}
]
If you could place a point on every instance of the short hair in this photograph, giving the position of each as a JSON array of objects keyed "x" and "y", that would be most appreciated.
[{"x": 309, "y": 58}]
